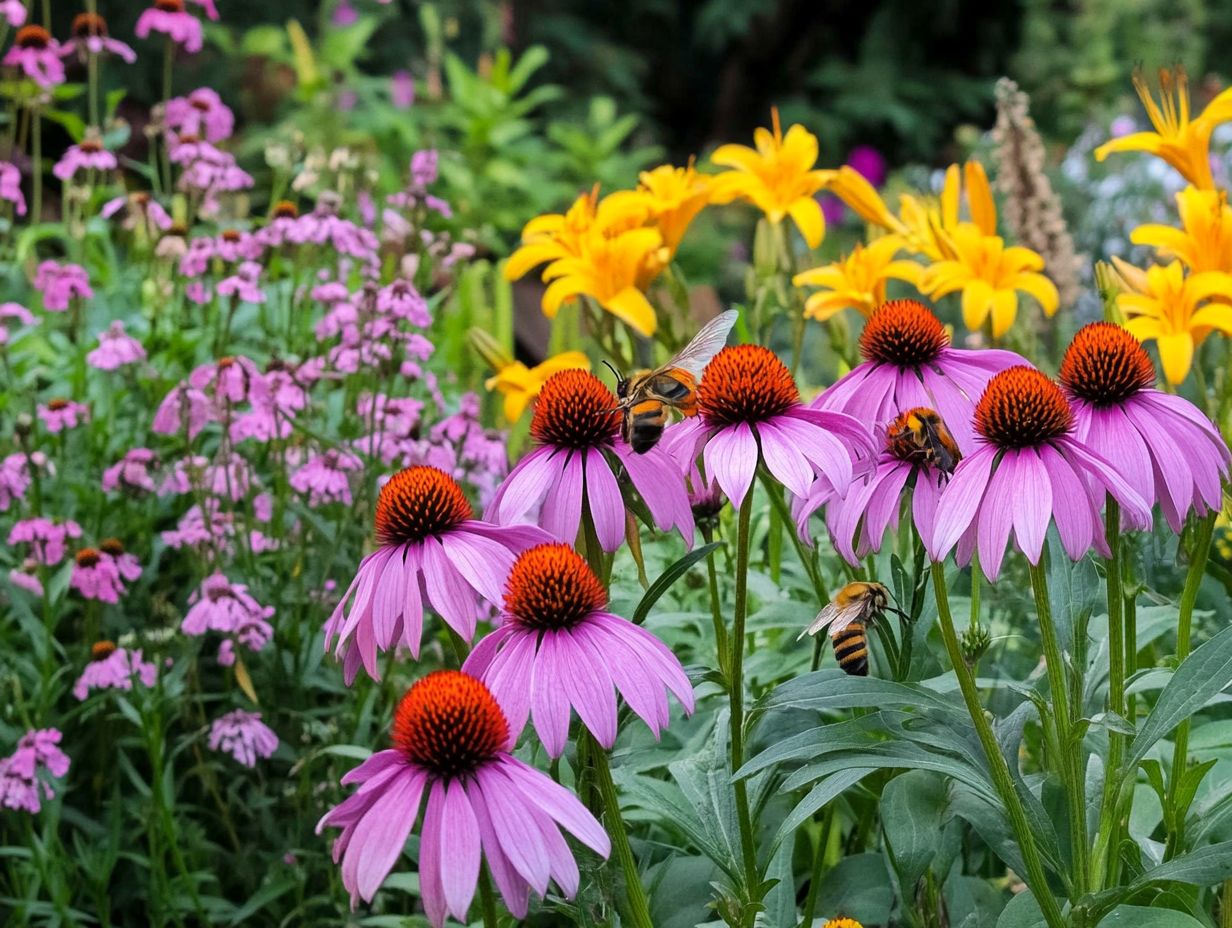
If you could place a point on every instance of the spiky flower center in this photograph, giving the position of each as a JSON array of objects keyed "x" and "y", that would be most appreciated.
[
  {"x": 231, "y": 236},
  {"x": 745, "y": 383},
  {"x": 1105, "y": 365},
  {"x": 903, "y": 332},
  {"x": 112, "y": 546},
  {"x": 449, "y": 724},
  {"x": 101, "y": 650},
  {"x": 57, "y": 404},
  {"x": 1021, "y": 408},
  {"x": 89, "y": 24},
  {"x": 87, "y": 557},
  {"x": 285, "y": 209},
  {"x": 551, "y": 587},
  {"x": 419, "y": 502},
  {"x": 91, "y": 146},
  {"x": 169, "y": 6},
  {"x": 575, "y": 409},
  {"x": 32, "y": 37}
]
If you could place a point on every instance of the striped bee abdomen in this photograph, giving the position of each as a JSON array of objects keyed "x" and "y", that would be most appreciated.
[{"x": 851, "y": 649}]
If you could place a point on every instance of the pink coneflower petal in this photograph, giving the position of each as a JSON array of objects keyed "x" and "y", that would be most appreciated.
[
  {"x": 549, "y": 706},
  {"x": 963, "y": 495},
  {"x": 1074, "y": 523},
  {"x": 731, "y": 459},
  {"x": 607, "y": 506},
  {"x": 523, "y": 846},
  {"x": 562, "y": 509},
  {"x": 459, "y": 852}
]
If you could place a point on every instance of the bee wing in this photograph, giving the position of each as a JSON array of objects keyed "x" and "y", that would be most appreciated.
[
  {"x": 708, "y": 341},
  {"x": 836, "y": 618}
]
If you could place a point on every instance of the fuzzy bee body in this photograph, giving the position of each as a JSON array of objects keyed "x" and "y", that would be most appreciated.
[
  {"x": 919, "y": 435},
  {"x": 647, "y": 397},
  {"x": 846, "y": 617}
]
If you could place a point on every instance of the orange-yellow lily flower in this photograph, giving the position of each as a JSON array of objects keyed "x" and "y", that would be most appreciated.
[
  {"x": 675, "y": 196},
  {"x": 520, "y": 384},
  {"x": 1204, "y": 241},
  {"x": 857, "y": 281}
]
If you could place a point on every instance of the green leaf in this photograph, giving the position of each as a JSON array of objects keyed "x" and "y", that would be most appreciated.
[
  {"x": 1134, "y": 916},
  {"x": 914, "y": 807},
  {"x": 857, "y": 887},
  {"x": 1204, "y": 867},
  {"x": 824, "y": 791},
  {"x": 1200, "y": 676},
  {"x": 263, "y": 897},
  {"x": 669, "y": 577},
  {"x": 1022, "y": 912}
]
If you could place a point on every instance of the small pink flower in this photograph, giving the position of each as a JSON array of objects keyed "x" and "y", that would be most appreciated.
[
  {"x": 26, "y": 577},
  {"x": 47, "y": 539},
  {"x": 132, "y": 472},
  {"x": 230, "y": 381},
  {"x": 169, "y": 18},
  {"x": 424, "y": 167},
  {"x": 222, "y": 606},
  {"x": 140, "y": 210},
  {"x": 244, "y": 736},
  {"x": 201, "y": 113},
  {"x": 325, "y": 478},
  {"x": 14, "y": 11},
  {"x": 90, "y": 37},
  {"x": 10, "y": 187},
  {"x": 186, "y": 409},
  {"x": 243, "y": 284},
  {"x": 60, "y": 414},
  {"x": 113, "y": 668},
  {"x": 400, "y": 299},
  {"x": 13, "y": 311},
  {"x": 23, "y": 774},
  {"x": 37, "y": 55},
  {"x": 101, "y": 573},
  {"x": 402, "y": 89},
  {"x": 115, "y": 349},
  {"x": 87, "y": 155},
  {"x": 60, "y": 284},
  {"x": 344, "y": 14}
]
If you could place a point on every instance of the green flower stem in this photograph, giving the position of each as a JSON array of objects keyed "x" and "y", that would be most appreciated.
[
  {"x": 735, "y": 664},
  {"x": 998, "y": 767},
  {"x": 639, "y": 909},
  {"x": 487, "y": 899},
  {"x": 1107, "y": 837},
  {"x": 1070, "y": 759},
  {"x": 716, "y": 606},
  {"x": 1198, "y": 557}
]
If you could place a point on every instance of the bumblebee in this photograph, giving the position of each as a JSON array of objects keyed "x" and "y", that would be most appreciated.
[
  {"x": 846, "y": 619},
  {"x": 646, "y": 396},
  {"x": 920, "y": 436}
]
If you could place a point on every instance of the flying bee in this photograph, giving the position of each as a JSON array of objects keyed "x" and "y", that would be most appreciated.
[
  {"x": 646, "y": 396},
  {"x": 846, "y": 617},
  {"x": 920, "y": 436}
]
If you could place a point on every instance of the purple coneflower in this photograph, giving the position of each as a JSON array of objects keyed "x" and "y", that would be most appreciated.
[
  {"x": 10, "y": 187},
  {"x": 201, "y": 113},
  {"x": 140, "y": 211},
  {"x": 90, "y": 37},
  {"x": 169, "y": 18},
  {"x": 15, "y": 312},
  {"x": 244, "y": 736},
  {"x": 908, "y": 363},
  {"x": 558, "y": 649},
  {"x": 433, "y": 552},
  {"x": 858, "y": 521},
  {"x": 13, "y": 11},
  {"x": 60, "y": 283},
  {"x": 60, "y": 414},
  {"x": 87, "y": 155},
  {"x": 132, "y": 472},
  {"x": 1027, "y": 470},
  {"x": 111, "y": 667},
  {"x": 326, "y": 478},
  {"x": 26, "y": 577},
  {"x": 47, "y": 539},
  {"x": 101, "y": 573},
  {"x": 116, "y": 348},
  {"x": 38, "y": 752},
  {"x": 1162, "y": 444},
  {"x": 750, "y": 412},
  {"x": 579, "y": 454},
  {"x": 37, "y": 55},
  {"x": 450, "y": 754}
]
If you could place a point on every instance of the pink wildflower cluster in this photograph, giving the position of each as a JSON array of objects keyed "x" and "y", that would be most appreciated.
[
  {"x": 222, "y": 606},
  {"x": 24, "y": 773},
  {"x": 111, "y": 667},
  {"x": 102, "y": 573},
  {"x": 244, "y": 736}
]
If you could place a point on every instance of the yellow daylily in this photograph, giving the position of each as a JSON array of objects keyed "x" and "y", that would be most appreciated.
[
  {"x": 553, "y": 236},
  {"x": 857, "y": 281},
  {"x": 778, "y": 177},
  {"x": 1204, "y": 241},
  {"x": 990, "y": 276},
  {"x": 1182, "y": 142},
  {"x": 1163, "y": 305},
  {"x": 675, "y": 196},
  {"x": 520, "y": 384}
]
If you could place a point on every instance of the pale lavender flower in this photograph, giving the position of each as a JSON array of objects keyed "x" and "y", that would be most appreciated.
[
  {"x": 60, "y": 283},
  {"x": 47, "y": 539},
  {"x": 113, "y": 668},
  {"x": 168, "y": 17},
  {"x": 115, "y": 349},
  {"x": 202, "y": 114},
  {"x": 60, "y": 414},
  {"x": 402, "y": 89},
  {"x": 37, "y": 55},
  {"x": 325, "y": 478},
  {"x": 102, "y": 573},
  {"x": 15, "y": 311},
  {"x": 10, "y": 187},
  {"x": 87, "y": 155},
  {"x": 244, "y": 736},
  {"x": 23, "y": 774},
  {"x": 132, "y": 472}
]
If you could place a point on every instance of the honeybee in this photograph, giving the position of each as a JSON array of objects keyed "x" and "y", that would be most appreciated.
[
  {"x": 646, "y": 396},
  {"x": 919, "y": 435},
  {"x": 846, "y": 619}
]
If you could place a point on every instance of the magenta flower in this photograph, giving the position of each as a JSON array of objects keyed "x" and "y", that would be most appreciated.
[
  {"x": 558, "y": 648},
  {"x": 400, "y": 299},
  {"x": 402, "y": 89},
  {"x": 208, "y": 7},
  {"x": 90, "y": 37},
  {"x": 1160, "y": 443},
  {"x": 222, "y": 606},
  {"x": 424, "y": 167},
  {"x": 185, "y": 408},
  {"x": 87, "y": 155},
  {"x": 432, "y": 552},
  {"x": 115, "y": 349},
  {"x": 909, "y": 363},
  {"x": 230, "y": 381},
  {"x": 133, "y": 472},
  {"x": 1027, "y": 470},
  {"x": 579, "y": 455},
  {"x": 101, "y": 573},
  {"x": 23, "y": 774},
  {"x": 450, "y": 753},
  {"x": 60, "y": 414},
  {"x": 344, "y": 14},
  {"x": 13, "y": 311},
  {"x": 47, "y": 539},
  {"x": 26, "y": 578},
  {"x": 14, "y": 11},
  {"x": 750, "y": 412},
  {"x": 169, "y": 18},
  {"x": 858, "y": 522},
  {"x": 326, "y": 478},
  {"x": 37, "y": 55},
  {"x": 140, "y": 211},
  {"x": 113, "y": 668},
  {"x": 244, "y": 284},
  {"x": 60, "y": 284},
  {"x": 15, "y": 479},
  {"x": 244, "y": 736},
  {"x": 10, "y": 187}
]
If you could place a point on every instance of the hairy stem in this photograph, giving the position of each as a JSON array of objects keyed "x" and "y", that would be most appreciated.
[{"x": 639, "y": 909}]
